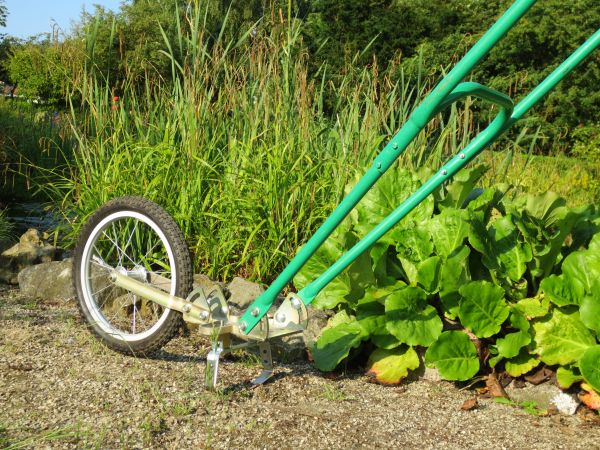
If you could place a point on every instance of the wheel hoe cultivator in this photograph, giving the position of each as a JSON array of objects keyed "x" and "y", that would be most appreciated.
[{"x": 133, "y": 273}]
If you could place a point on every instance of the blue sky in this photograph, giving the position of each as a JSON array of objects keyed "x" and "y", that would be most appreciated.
[{"x": 29, "y": 17}]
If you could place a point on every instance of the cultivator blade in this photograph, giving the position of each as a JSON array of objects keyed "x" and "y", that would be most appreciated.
[
  {"x": 267, "y": 361},
  {"x": 211, "y": 371},
  {"x": 209, "y": 310}
]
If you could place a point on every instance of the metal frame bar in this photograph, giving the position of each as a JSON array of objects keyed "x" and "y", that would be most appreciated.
[{"x": 448, "y": 91}]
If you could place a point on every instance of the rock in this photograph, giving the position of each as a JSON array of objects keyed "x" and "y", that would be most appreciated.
[
  {"x": 51, "y": 280},
  {"x": 243, "y": 292},
  {"x": 542, "y": 394},
  {"x": 31, "y": 249},
  {"x": 204, "y": 282},
  {"x": 565, "y": 403}
]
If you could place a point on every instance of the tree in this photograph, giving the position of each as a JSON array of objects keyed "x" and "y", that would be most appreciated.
[
  {"x": 38, "y": 71},
  {"x": 3, "y": 13}
]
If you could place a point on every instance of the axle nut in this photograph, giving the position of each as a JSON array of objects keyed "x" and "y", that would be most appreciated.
[
  {"x": 243, "y": 326},
  {"x": 296, "y": 303},
  {"x": 204, "y": 315},
  {"x": 255, "y": 312},
  {"x": 186, "y": 308}
]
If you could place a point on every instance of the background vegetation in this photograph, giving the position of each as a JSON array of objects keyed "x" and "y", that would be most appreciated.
[{"x": 247, "y": 119}]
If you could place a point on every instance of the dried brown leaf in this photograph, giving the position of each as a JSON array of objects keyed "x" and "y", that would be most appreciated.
[{"x": 469, "y": 404}]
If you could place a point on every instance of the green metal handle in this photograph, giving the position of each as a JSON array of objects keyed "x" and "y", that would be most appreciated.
[
  {"x": 390, "y": 153},
  {"x": 470, "y": 89},
  {"x": 448, "y": 91}
]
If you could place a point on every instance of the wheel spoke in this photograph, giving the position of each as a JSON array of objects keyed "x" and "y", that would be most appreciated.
[{"x": 119, "y": 251}]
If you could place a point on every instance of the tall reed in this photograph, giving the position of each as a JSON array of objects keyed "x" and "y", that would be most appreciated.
[{"x": 239, "y": 147}]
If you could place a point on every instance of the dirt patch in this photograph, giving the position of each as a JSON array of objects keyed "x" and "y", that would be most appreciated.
[{"x": 59, "y": 387}]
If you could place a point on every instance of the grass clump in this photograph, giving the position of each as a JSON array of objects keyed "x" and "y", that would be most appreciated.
[{"x": 239, "y": 146}]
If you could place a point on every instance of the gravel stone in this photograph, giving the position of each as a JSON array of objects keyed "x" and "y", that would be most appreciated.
[{"x": 60, "y": 388}]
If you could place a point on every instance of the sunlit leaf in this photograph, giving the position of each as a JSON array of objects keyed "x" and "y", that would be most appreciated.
[
  {"x": 589, "y": 364},
  {"x": 562, "y": 338},
  {"x": 391, "y": 366},
  {"x": 454, "y": 355},
  {"x": 410, "y": 318},
  {"x": 482, "y": 308}
]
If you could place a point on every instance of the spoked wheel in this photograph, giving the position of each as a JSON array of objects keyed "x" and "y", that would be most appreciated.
[{"x": 137, "y": 238}]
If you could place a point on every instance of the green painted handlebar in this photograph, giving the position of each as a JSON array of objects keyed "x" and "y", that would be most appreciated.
[{"x": 448, "y": 91}]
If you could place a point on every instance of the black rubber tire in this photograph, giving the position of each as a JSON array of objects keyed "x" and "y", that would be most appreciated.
[{"x": 183, "y": 269}]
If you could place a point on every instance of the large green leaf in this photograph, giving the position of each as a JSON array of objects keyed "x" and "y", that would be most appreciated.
[
  {"x": 413, "y": 244},
  {"x": 389, "y": 192},
  {"x": 501, "y": 247},
  {"x": 336, "y": 291},
  {"x": 562, "y": 291},
  {"x": 448, "y": 230},
  {"x": 532, "y": 307},
  {"x": 566, "y": 376},
  {"x": 521, "y": 364},
  {"x": 562, "y": 338},
  {"x": 590, "y": 310},
  {"x": 482, "y": 308},
  {"x": 391, "y": 366},
  {"x": 454, "y": 355},
  {"x": 335, "y": 344},
  {"x": 510, "y": 345},
  {"x": 461, "y": 186},
  {"x": 428, "y": 274},
  {"x": 454, "y": 274},
  {"x": 583, "y": 267},
  {"x": 589, "y": 364},
  {"x": 410, "y": 318}
]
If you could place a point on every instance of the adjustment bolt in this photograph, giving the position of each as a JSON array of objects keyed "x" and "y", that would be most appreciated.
[
  {"x": 255, "y": 312},
  {"x": 187, "y": 308},
  {"x": 444, "y": 172},
  {"x": 395, "y": 145},
  {"x": 280, "y": 317},
  {"x": 204, "y": 315},
  {"x": 243, "y": 326},
  {"x": 296, "y": 303},
  {"x": 462, "y": 156}
]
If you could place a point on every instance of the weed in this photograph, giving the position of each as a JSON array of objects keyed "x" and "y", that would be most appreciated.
[
  {"x": 333, "y": 393},
  {"x": 530, "y": 407}
]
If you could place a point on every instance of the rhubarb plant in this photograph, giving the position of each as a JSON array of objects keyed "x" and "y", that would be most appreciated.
[{"x": 518, "y": 275}]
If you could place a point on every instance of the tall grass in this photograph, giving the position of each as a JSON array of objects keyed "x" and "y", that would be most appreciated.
[
  {"x": 30, "y": 137},
  {"x": 239, "y": 147}
]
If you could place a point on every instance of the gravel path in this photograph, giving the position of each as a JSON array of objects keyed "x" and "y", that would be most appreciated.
[{"x": 60, "y": 388}]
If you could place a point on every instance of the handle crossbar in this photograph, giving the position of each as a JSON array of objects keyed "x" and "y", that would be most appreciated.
[{"x": 447, "y": 92}]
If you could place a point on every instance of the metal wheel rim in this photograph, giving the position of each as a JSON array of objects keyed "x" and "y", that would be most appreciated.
[{"x": 85, "y": 276}]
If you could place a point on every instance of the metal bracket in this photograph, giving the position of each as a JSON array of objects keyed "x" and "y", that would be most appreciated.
[{"x": 264, "y": 348}]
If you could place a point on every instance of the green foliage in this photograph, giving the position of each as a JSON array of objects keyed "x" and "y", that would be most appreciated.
[
  {"x": 38, "y": 72},
  {"x": 454, "y": 355},
  {"x": 6, "y": 228},
  {"x": 589, "y": 364},
  {"x": 497, "y": 265},
  {"x": 388, "y": 366}
]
